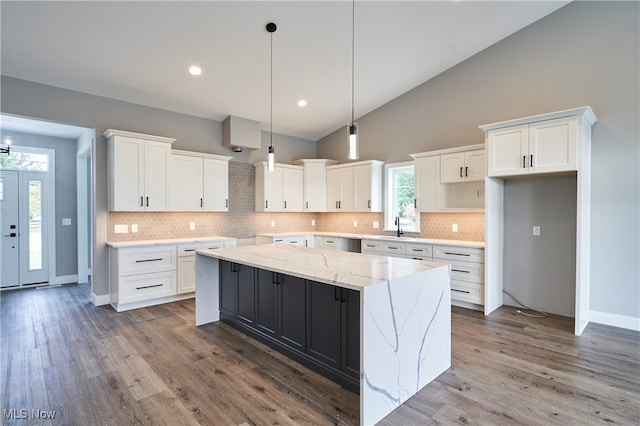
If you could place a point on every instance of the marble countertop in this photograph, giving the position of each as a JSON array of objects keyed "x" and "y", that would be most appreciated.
[
  {"x": 142, "y": 243},
  {"x": 344, "y": 269},
  {"x": 457, "y": 243}
]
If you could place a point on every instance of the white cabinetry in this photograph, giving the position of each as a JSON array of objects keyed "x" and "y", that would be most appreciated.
[
  {"x": 463, "y": 166},
  {"x": 355, "y": 187},
  {"x": 315, "y": 184},
  {"x": 200, "y": 182},
  {"x": 427, "y": 183},
  {"x": 546, "y": 146},
  {"x": 139, "y": 168},
  {"x": 187, "y": 262},
  {"x": 280, "y": 190}
]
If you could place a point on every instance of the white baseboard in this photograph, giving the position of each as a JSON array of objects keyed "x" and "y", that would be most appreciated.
[
  {"x": 615, "y": 320},
  {"x": 66, "y": 279},
  {"x": 101, "y": 300}
]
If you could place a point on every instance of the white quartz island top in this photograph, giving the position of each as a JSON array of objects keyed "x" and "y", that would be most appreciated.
[
  {"x": 343, "y": 269},
  {"x": 165, "y": 241},
  {"x": 405, "y": 314},
  {"x": 404, "y": 239}
]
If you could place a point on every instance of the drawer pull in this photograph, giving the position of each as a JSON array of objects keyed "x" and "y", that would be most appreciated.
[
  {"x": 416, "y": 258},
  {"x": 370, "y": 245},
  {"x": 460, "y": 291},
  {"x": 420, "y": 250},
  {"x": 149, "y": 286},
  {"x": 294, "y": 242},
  {"x": 457, "y": 254},
  {"x": 186, "y": 250},
  {"x": 392, "y": 248},
  {"x": 278, "y": 241},
  {"x": 148, "y": 260},
  {"x": 460, "y": 270},
  {"x": 329, "y": 241}
]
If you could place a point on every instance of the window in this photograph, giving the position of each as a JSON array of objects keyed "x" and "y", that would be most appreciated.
[
  {"x": 400, "y": 198},
  {"x": 21, "y": 158}
]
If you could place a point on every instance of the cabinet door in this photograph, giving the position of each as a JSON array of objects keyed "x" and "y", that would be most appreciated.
[
  {"x": 215, "y": 185},
  {"x": 347, "y": 195},
  {"x": 427, "y": 183},
  {"x": 362, "y": 188},
  {"x": 475, "y": 163},
  {"x": 552, "y": 146},
  {"x": 507, "y": 151},
  {"x": 186, "y": 274},
  {"x": 333, "y": 190},
  {"x": 186, "y": 183},
  {"x": 126, "y": 174},
  {"x": 315, "y": 188},
  {"x": 292, "y": 308},
  {"x": 156, "y": 175},
  {"x": 452, "y": 167},
  {"x": 350, "y": 302},
  {"x": 273, "y": 190},
  {"x": 246, "y": 293},
  {"x": 266, "y": 302},
  {"x": 228, "y": 288},
  {"x": 323, "y": 323},
  {"x": 292, "y": 189}
]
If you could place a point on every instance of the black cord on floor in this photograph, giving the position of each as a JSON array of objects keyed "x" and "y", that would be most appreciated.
[{"x": 544, "y": 314}]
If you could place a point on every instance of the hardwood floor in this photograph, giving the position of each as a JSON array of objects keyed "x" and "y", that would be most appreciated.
[{"x": 93, "y": 366}]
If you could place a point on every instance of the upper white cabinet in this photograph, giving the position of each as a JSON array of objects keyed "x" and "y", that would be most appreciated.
[
  {"x": 355, "y": 187},
  {"x": 543, "y": 146},
  {"x": 199, "y": 182},
  {"x": 427, "y": 183},
  {"x": 463, "y": 166},
  {"x": 315, "y": 183},
  {"x": 139, "y": 167},
  {"x": 280, "y": 190}
]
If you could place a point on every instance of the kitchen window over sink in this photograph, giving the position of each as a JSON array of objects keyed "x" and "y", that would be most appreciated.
[{"x": 400, "y": 198}]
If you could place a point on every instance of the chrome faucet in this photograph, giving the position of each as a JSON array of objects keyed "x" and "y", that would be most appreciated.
[{"x": 399, "y": 232}]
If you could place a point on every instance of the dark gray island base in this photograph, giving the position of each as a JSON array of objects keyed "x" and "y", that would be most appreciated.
[{"x": 377, "y": 325}]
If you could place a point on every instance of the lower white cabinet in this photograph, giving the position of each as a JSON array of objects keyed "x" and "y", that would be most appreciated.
[
  {"x": 141, "y": 276},
  {"x": 467, "y": 264}
]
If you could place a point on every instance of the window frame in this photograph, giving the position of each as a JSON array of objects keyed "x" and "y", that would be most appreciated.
[{"x": 389, "y": 217}]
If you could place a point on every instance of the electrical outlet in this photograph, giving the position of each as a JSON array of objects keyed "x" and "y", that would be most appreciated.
[
  {"x": 134, "y": 228},
  {"x": 121, "y": 229},
  {"x": 454, "y": 227},
  {"x": 273, "y": 223},
  {"x": 355, "y": 223},
  {"x": 376, "y": 225},
  {"x": 192, "y": 226},
  {"x": 313, "y": 222},
  {"x": 536, "y": 231}
]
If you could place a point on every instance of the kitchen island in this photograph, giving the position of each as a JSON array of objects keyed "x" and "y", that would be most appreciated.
[{"x": 392, "y": 325}]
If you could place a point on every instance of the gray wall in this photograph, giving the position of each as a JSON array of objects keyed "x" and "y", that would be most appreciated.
[
  {"x": 540, "y": 271},
  {"x": 65, "y": 201},
  {"x": 30, "y": 99},
  {"x": 586, "y": 53}
]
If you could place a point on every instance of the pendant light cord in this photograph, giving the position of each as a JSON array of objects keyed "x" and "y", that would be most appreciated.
[
  {"x": 271, "y": 94},
  {"x": 353, "y": 43}
]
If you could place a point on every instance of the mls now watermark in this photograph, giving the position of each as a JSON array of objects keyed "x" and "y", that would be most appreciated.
[{"x": 23, "y": 413}]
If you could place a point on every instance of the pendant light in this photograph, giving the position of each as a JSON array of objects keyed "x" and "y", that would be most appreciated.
[
  {"x": 353, "y": 126},
  {"x": 5, "y": 148},
  {"x": 271, "y": 157}
]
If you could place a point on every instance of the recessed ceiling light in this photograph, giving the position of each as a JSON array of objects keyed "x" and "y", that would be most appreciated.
[
  {"x": 195, "y": 70},
  {"x": 302, "y": 103}
]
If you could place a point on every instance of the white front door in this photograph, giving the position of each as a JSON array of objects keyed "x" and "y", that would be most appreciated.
[
  {"x": 9, "y": 248},
  {"x": 24, "y": 224}
]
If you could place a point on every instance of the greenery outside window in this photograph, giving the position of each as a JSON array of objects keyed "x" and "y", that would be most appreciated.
[{"x": 400, "y": 197}]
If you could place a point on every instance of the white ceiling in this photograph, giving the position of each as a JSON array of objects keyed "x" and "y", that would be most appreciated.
[{"x": 140, "y": 51}]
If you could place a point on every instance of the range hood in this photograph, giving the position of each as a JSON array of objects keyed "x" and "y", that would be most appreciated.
[{"x": 241, "y": 133}]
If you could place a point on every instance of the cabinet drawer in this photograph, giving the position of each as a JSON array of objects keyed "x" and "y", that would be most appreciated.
[
  {"x": 422, "y": 251},
  {"x": 188, "y": 249},
  {"x": 463, "y": 254},
  {"x": 147, "y": 286},
  {"x": 467, "y": 271},
  {"x": 392, "y": 248},
  {"x": 152, "y": 259},
  {"x": 369, "y": 246},
  {"x": 467, "y": 292},
  {"x": 329, "y": 242},
  {"x": 207, "y": 245}
]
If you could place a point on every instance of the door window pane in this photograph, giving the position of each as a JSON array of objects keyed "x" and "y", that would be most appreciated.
[
  {"x": 25, "y": 161},
  {"x": 35, "y": 224}
]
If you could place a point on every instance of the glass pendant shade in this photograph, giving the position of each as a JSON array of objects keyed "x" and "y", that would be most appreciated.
[
  {"x": 271, "y": 159},
  {"x": 353, "y": 141}
]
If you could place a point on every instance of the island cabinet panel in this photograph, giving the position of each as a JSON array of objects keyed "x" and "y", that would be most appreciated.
[
  {"x": 228, "y": 288},
  {"x": 267, "y": 303},
  {"x": 351, "y": 332},
  {"x": 246, "y": 293},
  {"x": 323, "y": 326},
  {"x": 292, "y": 294}
]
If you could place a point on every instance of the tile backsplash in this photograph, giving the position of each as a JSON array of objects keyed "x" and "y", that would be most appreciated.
[{"x": 243, "y": 222}]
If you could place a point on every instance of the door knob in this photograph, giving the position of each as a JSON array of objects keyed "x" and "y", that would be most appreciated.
[{"x": 12, "y": 235}]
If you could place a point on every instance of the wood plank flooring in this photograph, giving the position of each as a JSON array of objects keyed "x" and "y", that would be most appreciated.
[{"x": 151, "y": 366}]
